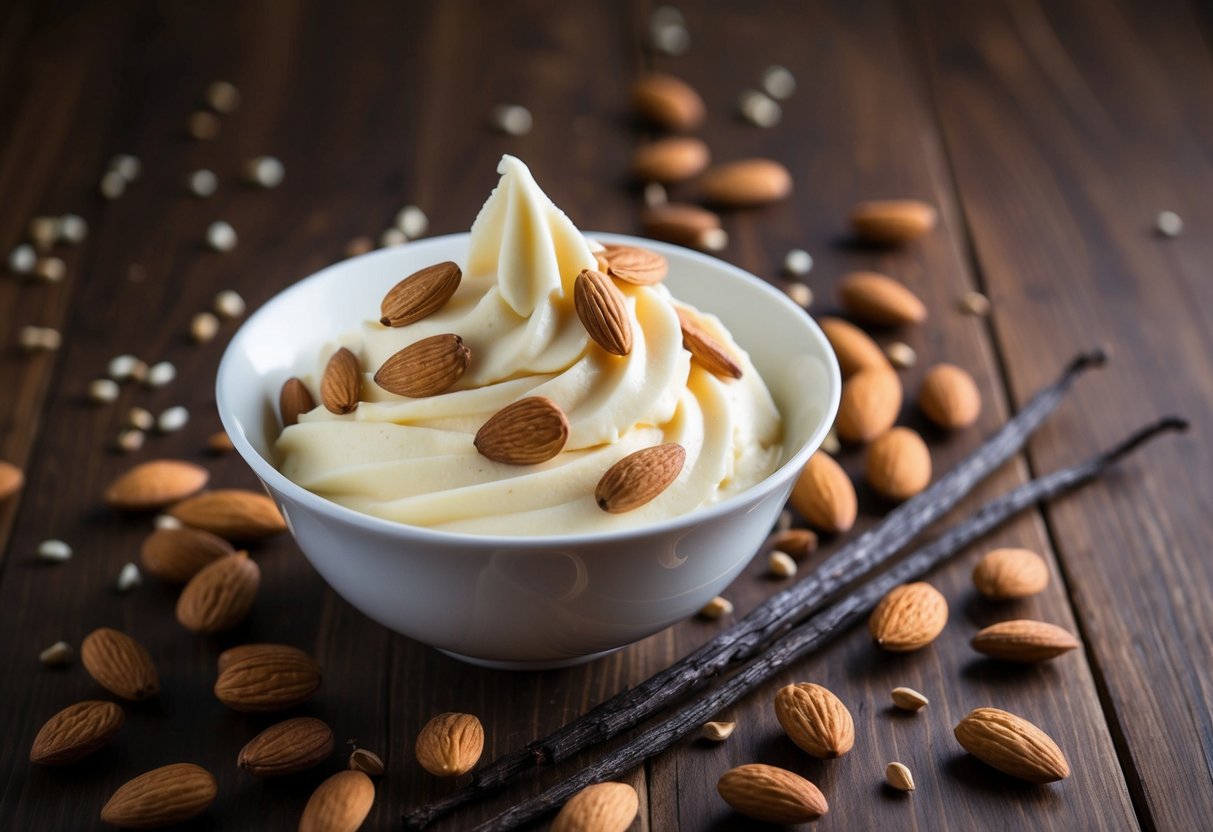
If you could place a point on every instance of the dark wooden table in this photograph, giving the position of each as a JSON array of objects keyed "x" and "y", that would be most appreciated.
[{"x": 1048, "y": 134}]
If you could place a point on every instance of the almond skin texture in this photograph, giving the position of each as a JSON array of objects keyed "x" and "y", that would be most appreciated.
[
  {"x": 450, "y": 744},
  {"x": 871, "y": 400},
  {"x": 11, "y": 479},
  {"x": 293, "y": 400},
  {"x": 815, "y": 719},
  {"x": 244, "y": 651},
  {"x": 771, "y": 795},
  {"x": 668, "y": 102},
  {"x": 420, "y": 295},
  {"x": 76, "y": 732},
  {"x": 1003, "y": 574},
  {"x": 855, "y": 349},
  {"x": 425, "y": 368},
  {"x": 602, "y": 807},
  {"x": 258, "y": 683},
  {"x": 287, "y": 748},
  {"x": 1012, "y": 745},
  {"x": 603, "y": 311},
  {"x": 176, "y": 555},
  {"x": 670, "y": 160},
  {"x": 341, "y": 384},
  {"x": 231, "y": 513},
  {"x": 875, "y": 299},
  {"x": 639, "y": 477},
  {"x": 220, "y": 596},
  {"x": 890, "y": 222},
  {"x": 155, "y": 484},
  {"x": 710, "y": 353},
  {"x": 637, "y": 266},
  {"x": 676, "y": 222},
  {"x": 1024, "y": 641},
  {"x": 339, "y": 804},
  {"x": 899, "y": 464},
  {"x": 824, "y": 495},
  {"x": 909, "y": 618},
  {"x": 949, "y": 397},
  {"x": 746, "y": 183},
  {"x": 527, "y": 432},
  {"x": 119, "y": 664},
  {"x": 161, "y": 797}
]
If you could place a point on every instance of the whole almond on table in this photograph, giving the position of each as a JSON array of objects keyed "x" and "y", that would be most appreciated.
[
  {"x": 1004, "y": 574},
  {"x": 156, "y": 484},
  {"x": 815, "y": 719},
  {"x": 11, "y": 479},
  {"x": 119, "y": 664},
  {"x": 771, "y": 795},
  {"x": 161, "y": 797},
  {"x": 426, "y": 367},
  {"x": 669, "y": 160},
  {"x": 746, "y": 183},
  {"x": 231, "y": 513},
  {"x": 685, "y": 225},
  {"x": 872, "y": 298},
  {"x": 854, "y": 348},
  {"x": 668, "y": 102},
  {"x": 1024, "y": 640},
  {"x": 824, "y": 495},
  {"x": 249, "y": 651},
  {"x": 339, "y": 804},
  {"x": 949, "y": 397},
  {"x": 898, "y": 464},
  {"x": 76, "y": 732},
  {"x": 341, "y": 384},
  {"x": 527, "y": 432},
  {"x": 602, "y": 807},
  {"x": 709, "y": 352},
  {"x": 176, "y": 555},
  {"x": 899, "y": 777},
  {"x": 420, "y": 295},
  {"x": 637, "y": 266},
  {"x": 603, "y": 311},
  {"x": 263, "y": 682},
  {"x": 220, "y": 596},
  {"x": 799, "y": 543},
  {"x": 294, "y": 400},
  {"x": 871, "y": 400},
  {"x": 287, "y": 748},
  {"x": 892, "y": 221},
  {"x": 450, "y": 744},
  {"x": 639, "y": 477},
  {"x": 1012, "y": 745},
  {"x": 909, "y": 617}
]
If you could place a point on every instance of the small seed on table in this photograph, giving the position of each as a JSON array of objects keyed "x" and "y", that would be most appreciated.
[
  {"x": 222, "y": 96},
  {"x": 203, "y": 126},
  {"x": 759, "y": 109},
  {"x": 125, "y": 367},
  {"x": 797, "y": 262},
  {"x": 800, "y": 294},
  {"x": 129, "y": 578},
  {"x": 359, "y": 245},
  {"x": 717, "y": 608},
  {"x": 511, "y": 119},
  {"x": 899, "y": 777},
  {"x": 160, "y": 374},
  {"x": 668, "y": 37},
  {"x": 22, "y": 259},
  {"x": 140, "y": 418},
  {"x": 909, "y": 699},
  {"x": 655, "y": 194},
  {"x": 112, "y": 185},
  {"x": 167, "y": 521},
  {"x": 39, "y": 338},
  {"x": 265, "y": 171},
  {"x": 368, "y": 762},
  {"x": 54, "y": 551},
  {"x": 43, "y": 231},
  {"x": 778, "y": 82},
  {"x": 127, "y": 166},
  {"x": 717, "y": 731},
  {"x": 901, "y": 355},
  {"x": 229, "y": 304},
  {"x": 392, "y": 237},
  {"x": 57, "y": 655},
  {"x": 173, "y": 419},
  {"x": 50, "y": 269},
  {"x": 130, "y": 440},
  {"x": 1169, "y": 224},
  {"x": 412, "y": 221},
  {"x": 203, "y": 327},
  {"x": 781, "y": 564},
  {"x": 73, "y": 229},
  {"x": 975, "y": 303},
  {"x": 103, "y": 390},
  {"x": 202, "y": 183},
  {"x": 220, "y": 236}
]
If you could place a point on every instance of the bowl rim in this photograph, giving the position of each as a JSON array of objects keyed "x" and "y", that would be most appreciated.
[{"x": 272, "y": 478}]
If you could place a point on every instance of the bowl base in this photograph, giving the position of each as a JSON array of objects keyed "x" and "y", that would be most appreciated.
[{"x": 552, "y": 664}]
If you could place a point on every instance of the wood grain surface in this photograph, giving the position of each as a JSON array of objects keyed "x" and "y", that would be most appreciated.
[{"x": 1048, "y": 135}]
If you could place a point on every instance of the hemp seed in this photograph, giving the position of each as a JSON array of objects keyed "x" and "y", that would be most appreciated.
[
  {"x": 160, "y": 374},
  {"x": 220, "y": 236},
  {"x": 73, "y": 229},
  {"x": 129, "y": 440},
  {"x": 1169, "y": 224},
  {"x": 103, "y": 390},
  {"x": 140, "y": 419},
  {"x": 22, "y": 259},
  {"x": 203, "y": 327},
  {"x": 202, "y": 182},
  {"x": 229, "y": 304},
  {"x": 265, "y": 171},
  {"x": 759, "y": 109},
  {"x": 778, "y": 82},
  {"x": 797, "y": 262},
  {"x": 172, "y": 420},
  {"x": 126, "y": 367}
]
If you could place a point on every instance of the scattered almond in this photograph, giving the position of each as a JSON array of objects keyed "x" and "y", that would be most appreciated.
[
  {"x": 339, "y": 804},
  {"x": 909, "y": 699},
  {"x": 425, "y": 368},
  {"x": 11, "y": 479},
  {"x": 1004, "y": 574},
  {"x": 231, "y": 513},
  {"x": 746, "y": 182},
  {"x": 420, "y": 295},
  {"x": 781, "y": 565},
  {"x": 668, "y": 102},
  {"x": 875, "y": 299},
  {"x": 119, "y": 664},
  {"x": 294, "y": 400},
  {"x": 711, "y": 354},
  {"x": 602, "y": 807},
  {"x": 245, "y": 651},
  {"x": 176, "y": 555},
  {"x": 341, "y": 384},
  {"x": 949, "y": 397},
  {"x": 1024, "y": 641},
  {"x": 771, "y": 795},
  {"x": 871, "y": 400},
  {"x": 155, "y": 484},
  {"x": 603, "y": 311},
  {"x": 527, "y": 432},
  {"x": 824, "y": 495},
  {"x": 220, "y": 596},
  {"x": 718, "y": 607},
  {"x": 76, "y": 732},
  {"x": 899, "y": 464},
  {"x": 639, "y": 477},
  {"x": 261, "y": 682},
  {"x": 892, "y": 221},
  {"x": 161, "y": 797},
  {"x": 638, "y": 266},
  {"x": 450, "y": 744},
  {"x": 57, "y": 655},
  {"x": 855, "y": 349},
  {"x": 798, "y": 543},
  {"x": 368, "y": 762},
  {"x": 669, "y": 160},
  {"x": 815, "y": 719},
  {"x": 717, "y": 731},
  {"x": 901, "y": 355},
  {"x": 1012, "y": 745},
  {"x": 910, "y": 617},
  {"x": 686, "y": 225},
  {"x": 899, "y": 777},
  {"x": 287, "y": 748}
]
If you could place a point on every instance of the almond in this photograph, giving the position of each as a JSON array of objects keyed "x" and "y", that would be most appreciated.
[
  {"x": 824, "y": 496},
  {"x": 909, "y": 617},
  {"x": 799, "y": 543},
  {"x": 263, "y": 682},
  {"x": 815, "y": 719},
  {"x": 244, "y": 651},
  {"x": 899, "y": 777},
  {"x": 875, "y": 299},
  {"x": 339, "y": 804},
  {"x": 119, "y": 664},
  {"x": 294, "y": 400},
  {"x": 1024, "y": 641},
  {"x": 527, "y": 432},
  {"x": 11, "y": 479},
  {"x": 892, "y": 221},
  {"x": 155, "y": 484},
  {"x": 675, "y": 222},
  {"x": 450, "y": 744},
  {"x": 771, "y": 795},
  {"x": 1012, "y": 745},
  {"x": 603, "y": 311},
  {"x": 949, "y": 397},
  {"x": 602, "y": 807},
  {"x": 75, "y": 732},
  {"x": 668, "y": 102},
  {"x": 220, "y": 596},
  {"x": 908, "y": 699},
  {"x": 871, "y": 400},
  {"x": 368, "y": 762},
  {"x": 341, "y": 384},
  {"x": 161, "y": 797},
  {"x": 634, "y": 265},
  {"x": 287, "y": 748},
  {"x": 420, "y": 295},
  {"x": 1004, "y": 574},
  {"x": 670, "y": 160},
  {"x": 231, "y": 513},
  {"x": 855, "y": 349},
  {"x": 711, "y": 354},
  {"x": 639, "y": 477},
  {"x": 898, "y": 465},
  {"x": 425, "y": 368},
  {"x": 746, "y": 183},
  {"x": 176, "y": 555}
]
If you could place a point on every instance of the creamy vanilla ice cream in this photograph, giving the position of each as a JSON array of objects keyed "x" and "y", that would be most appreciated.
[{"x": 413, "y": 460}]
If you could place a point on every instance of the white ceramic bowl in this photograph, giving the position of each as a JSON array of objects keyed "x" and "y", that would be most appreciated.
[{"x": 525, "y": 602}]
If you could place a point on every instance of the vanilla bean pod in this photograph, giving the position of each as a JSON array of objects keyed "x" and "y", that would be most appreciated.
[
  {"x": 774, "y": 615},
  {"x": 823, "y": 626}
]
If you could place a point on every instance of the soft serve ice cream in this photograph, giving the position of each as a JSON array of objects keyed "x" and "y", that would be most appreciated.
[{"x": 415, "y": 459}]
